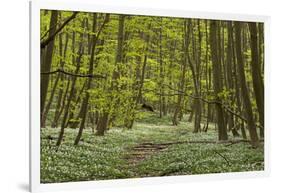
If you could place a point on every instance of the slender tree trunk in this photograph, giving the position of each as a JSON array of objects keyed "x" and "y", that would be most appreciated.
[
  {"x": 46, "y": 62},
  {"x": 140, "y": 86},
  {"x": 161, "y": 74},
  {"x": 84, "y": 107},
  {"x": 74, "y": 122},
  {"x": 104, "y": 117},
  {"x": 245, "y": 93},
  {"x": 191, "y": 113},
  {"x": 237, "y": 98},
  {"x": 229, "y": 78},
  {"x": 257, "y": 74},
  {"x": 48, "y": 106},
  {"x": 62, "y": 54},
  {"x": 217, "y": 78},
  {"x": 72, "y": 90},
  {"x": 261, "y": 45},
  {"x": 207, "y": 76},
  {"x": 71, "y": 94},
  {"x": 102, "y": 124},
  {"x": 182, "y": 80},
  {"x": 193, "y": 64},
  {"x": 60, "y": 103}
]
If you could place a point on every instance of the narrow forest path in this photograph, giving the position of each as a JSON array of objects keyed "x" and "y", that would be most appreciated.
[{"x": 142, "y": 151}]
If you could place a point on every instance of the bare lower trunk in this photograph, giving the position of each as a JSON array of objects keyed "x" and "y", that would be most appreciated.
[{"x": 102, "y": 124}]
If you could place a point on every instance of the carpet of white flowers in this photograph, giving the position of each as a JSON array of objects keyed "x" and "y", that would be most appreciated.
[{"x": 100, "y": 158}]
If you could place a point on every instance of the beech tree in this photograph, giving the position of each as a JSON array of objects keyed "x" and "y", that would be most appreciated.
[
  {"x": 245, "y": 93},
  {"x": 257, "y": 74},
  {"x": 216, "y": 61},
  {"x": 103, "y": 71}
]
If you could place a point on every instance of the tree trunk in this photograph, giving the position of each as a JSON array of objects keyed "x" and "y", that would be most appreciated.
[
  {"x": 62, "y": 54},
  {"x": 217, "y": 78},
  {"x": 46, "y": 62},
  {"x": 84, "y": 107},
  {"x": 257, "y": 74},
  {"x": 182, "y": 79},
  {"x": 229, "y": 78},
  {"x": 60, "y": 103},
  {"x": 194, "y": 66},
  {"x": 72, "y": 90},
  {"x": 161, "y": 74},
  {"x": 74, "y": 122},
  {"x": 102, "y": 124},
  {"x": 104, "y": 118},
  {"x": 191, "y": 113},
  {"x": 140, "y": 86},
  {"x": 245, "y": 93}
]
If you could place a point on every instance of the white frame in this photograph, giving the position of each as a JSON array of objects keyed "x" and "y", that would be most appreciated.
[{"x": 34, "y": 145}]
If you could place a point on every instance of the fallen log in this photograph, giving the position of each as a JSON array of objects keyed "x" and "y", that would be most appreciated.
[{"x": 205, "y": 142}]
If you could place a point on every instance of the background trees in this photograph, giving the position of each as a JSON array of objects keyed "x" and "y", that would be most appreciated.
[{"x": 97, "y": 71}]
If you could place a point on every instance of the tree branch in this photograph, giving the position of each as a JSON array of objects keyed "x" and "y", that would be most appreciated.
[
  {"x": 227, "y": 108},
  {"x": 106, "y": 20},
  {"x": 45, "y": 42},
  {"x": 72, "y": 74}
]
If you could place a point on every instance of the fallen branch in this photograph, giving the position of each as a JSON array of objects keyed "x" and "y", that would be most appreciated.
[
  {"x": 205, "y": 142},
  {"x": 72, "y": 74},
  {"x": 222, "y": 157}
]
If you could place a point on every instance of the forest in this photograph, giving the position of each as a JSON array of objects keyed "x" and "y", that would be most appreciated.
[{"x": 130, "y": 96}]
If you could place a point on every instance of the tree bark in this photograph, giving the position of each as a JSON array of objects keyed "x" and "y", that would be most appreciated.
[
  {"x": 140, "y": 84},
  {"x": 104, "y": 117},
  {"x": 161, "y": 75},
  {"x": 245, "y": 93},
  {"x": 72, "y": 90},
  {"x": 60, "y": 103},
  {"x": 62, "y": 54},
  {"x": 216, "y": 61},
  {"x": 182, "y": 79},
  {"x": 46, "y": 61},
  {"x": 257, "y": 74},
  {"x": 84, "y": 107},
  {"x": 229, "y": 77}
]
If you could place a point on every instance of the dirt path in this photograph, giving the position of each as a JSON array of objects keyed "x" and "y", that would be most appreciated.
[{"x": 143, "y": 150}]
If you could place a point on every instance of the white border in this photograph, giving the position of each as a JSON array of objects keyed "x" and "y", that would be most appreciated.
[{"x": 34, "y": 145}]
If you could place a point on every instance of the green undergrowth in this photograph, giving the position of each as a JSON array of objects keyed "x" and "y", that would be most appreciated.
[{"x": 100, "y": 158}]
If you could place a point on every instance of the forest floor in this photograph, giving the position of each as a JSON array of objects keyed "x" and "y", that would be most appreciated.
[{"x": 152, "y": 148}]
